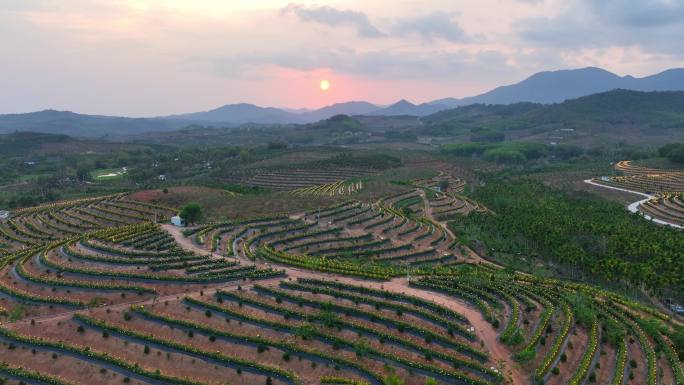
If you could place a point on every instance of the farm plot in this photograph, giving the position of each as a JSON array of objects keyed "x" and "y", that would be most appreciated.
[
  {"x": 352, "y": 237},
  {"x": 627, "y": 168},
  {"x": 330, "y": 189},
  {"x": 558, "y": 328},
  {"x": 649, "y": 183},
  {"x": 667, "y": 187},
  {"x": 445, "y": 196},
  {"x": 301, "y": 179},
  {"x": 355, "y": 293},
  {"x": 111, "y": 266},
  {"x": 645, "y": 180},
  {"x": 283, "y": 332},
  {"x": 668, "y": 207},
  {"x": 40, "y": 225}
]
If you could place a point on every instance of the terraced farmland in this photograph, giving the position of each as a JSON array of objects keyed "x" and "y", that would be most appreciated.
[
  {"x": 645, "y": 180},
  {"x": 667, "y": 207},
  {"x": 40, "y": 225},
  {"x": 301, "y": 179},
  {"x": 330, "y": 189},
  {"x": 444, "y": 193},
  {"x": 664, "y": 188},
  {"x": 356, "y": 293},
  {"x": 376, "y": 240}
]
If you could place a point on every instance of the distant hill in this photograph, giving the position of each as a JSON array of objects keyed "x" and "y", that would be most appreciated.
[
  {"x": 237, "y": 114},
  {"x": 541, "y": 88},
  {"x": 29, "y": 144},
  {"x": 557, "y": 86},
  {"x": 240, "y": 114},
  {"x": 24, "y": 142},
  {"x": 404, "y": 107},
  {"x": 73, "y": 124},
  {"x": 348, "y": 108},
  {"x": 617, "y": 108}
]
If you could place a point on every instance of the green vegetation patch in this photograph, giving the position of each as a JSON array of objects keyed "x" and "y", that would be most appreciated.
[
  {"x": 593, "y": 236},
  {"x": 506, "y": 152}
]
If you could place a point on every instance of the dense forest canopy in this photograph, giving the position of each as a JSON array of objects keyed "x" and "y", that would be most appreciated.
[{"x": 598, "y": 236}]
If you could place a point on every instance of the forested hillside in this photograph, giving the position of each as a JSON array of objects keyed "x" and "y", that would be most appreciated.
[
  {"x": 598, "y": 237},
  {"x": 615, "y": 108}
]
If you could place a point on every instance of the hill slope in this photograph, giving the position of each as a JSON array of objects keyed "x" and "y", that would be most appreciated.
[
  {"x": 557, "y": 86},
  {"x": 240, "y": 114},
  {"x": 236, "y": 114},
  {"x": 73, "y": 124},
  {"x": 623, "y": 112}
]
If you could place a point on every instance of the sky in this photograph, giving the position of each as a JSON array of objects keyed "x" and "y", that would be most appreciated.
[{"x": 160, "y": 57}]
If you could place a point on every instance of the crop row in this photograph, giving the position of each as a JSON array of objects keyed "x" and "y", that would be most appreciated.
[
  {"x": 21, "y": 272},
  {"x": 368, "y": 270},
  {"x": 416, "y": 301},
  {"x": 257, "y": 340},
  {"x": 168, "y": 278},
  {"x": 588, "y": 356},
  {"x": 343, "y": 342},
  {"x": 550, "y": 357},
  {"x": 399, "y": 308},
  {"x": 90, "y": 354},
  {"x": 374, "y": 317},
  {"x": 215, "y": 355},
  {"x": 316, "y": 242}
]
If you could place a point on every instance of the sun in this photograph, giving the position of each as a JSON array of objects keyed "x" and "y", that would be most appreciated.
[{"x": 325, "y": 85}]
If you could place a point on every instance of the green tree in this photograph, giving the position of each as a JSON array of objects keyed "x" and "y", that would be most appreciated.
[
  {"x": 392, "y": 379},
  {"x": 83, "y": 170},
  {"x": 192, "y": 212},
  {"x": 678, "y": 339}
]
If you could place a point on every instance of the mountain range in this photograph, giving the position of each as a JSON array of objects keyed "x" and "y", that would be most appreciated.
[
  {"x": 558, "y": 86},
  {"x": 544, "y": 88}
]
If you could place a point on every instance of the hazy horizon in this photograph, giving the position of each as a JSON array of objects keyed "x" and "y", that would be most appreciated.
[{"x": 147, "y": 58}]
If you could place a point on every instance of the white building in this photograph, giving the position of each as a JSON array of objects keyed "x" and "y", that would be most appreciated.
[
  {"x": 4, "y": 214},
  {"x": 178, "y": 221}
]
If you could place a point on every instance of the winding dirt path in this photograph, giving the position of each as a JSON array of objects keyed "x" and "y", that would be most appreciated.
[
  {"x": 484, "y": 330},
  {"x": 634, "y": 207},
  {"x": 469, "y": 255},
  {"x": 499, "y": 354}
]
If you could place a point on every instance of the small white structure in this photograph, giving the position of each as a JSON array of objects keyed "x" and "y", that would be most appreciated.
[
  {"x": 162, "y": 177},
  {"x": 178, "y": 221},
  {"x": 4, "y": 214}
]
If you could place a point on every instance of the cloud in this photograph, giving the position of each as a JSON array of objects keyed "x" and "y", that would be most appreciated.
[
  {"x": 640, "y": 13},
  {"x": 333, "y": 17},
  {"x": 94, "y": 54},
  {"x": 656, "y": 26},
  {"x": 429, "y": 65},
  {"x": 431, "y": 26}
]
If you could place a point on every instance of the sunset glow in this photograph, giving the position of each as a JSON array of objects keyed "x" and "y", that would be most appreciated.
[{"x": 183, "y": 56}]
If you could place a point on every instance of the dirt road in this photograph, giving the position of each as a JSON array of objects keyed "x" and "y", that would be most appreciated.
[{"x": 484, "y": 330}]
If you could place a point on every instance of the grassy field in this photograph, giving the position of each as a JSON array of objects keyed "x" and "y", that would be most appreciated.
[{"x": 108, "y": 174}]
